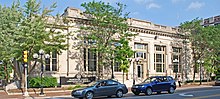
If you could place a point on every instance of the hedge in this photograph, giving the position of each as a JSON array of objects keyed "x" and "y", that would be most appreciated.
[{"x": 35, "y": 82}]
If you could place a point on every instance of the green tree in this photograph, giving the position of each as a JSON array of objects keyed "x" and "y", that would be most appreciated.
[
  {"x": 106, "y": 25},
  {"x": 28, "y": 28},
  {"x": 122, "y": 54},
  {"x": 194, "y": 32},
  {"x": 204, "y": 44},
  {"x": 211, "y": 38},
  {"x": 9, "y": 19}
]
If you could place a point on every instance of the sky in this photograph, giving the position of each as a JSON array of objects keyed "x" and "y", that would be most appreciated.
[{"x": 163, "y": 12}]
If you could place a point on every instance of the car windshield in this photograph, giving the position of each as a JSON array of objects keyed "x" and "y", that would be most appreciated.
[{"x": 148, "y": 80}]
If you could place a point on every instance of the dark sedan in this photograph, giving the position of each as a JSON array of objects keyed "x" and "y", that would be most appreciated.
[
  {"x": 155, "y": 84},
  {"x": 101, "y": 88}
]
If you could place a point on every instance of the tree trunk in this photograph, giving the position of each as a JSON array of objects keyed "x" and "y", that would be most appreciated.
[
  {"x": 194, "y": 72},
  {"x": 194, "y": 67},
  {"x": 18, "y": 72},
  {"x": 6, "y": 73}
]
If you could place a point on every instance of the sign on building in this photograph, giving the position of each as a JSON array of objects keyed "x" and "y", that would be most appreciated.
[{"x": 75, "y": 80}]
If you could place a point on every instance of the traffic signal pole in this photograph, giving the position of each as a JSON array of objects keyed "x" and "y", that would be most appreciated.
[{"x": 25, "y": 60}]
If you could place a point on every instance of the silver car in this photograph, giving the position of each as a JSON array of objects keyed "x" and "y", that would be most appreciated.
[{"x": 101, "y": 88}]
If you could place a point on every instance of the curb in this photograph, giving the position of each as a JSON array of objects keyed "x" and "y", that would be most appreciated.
[
  {"x": 20, "y": 93},
  {"x": 192, "y": 87},
  {"x": 43, "y": 97}
]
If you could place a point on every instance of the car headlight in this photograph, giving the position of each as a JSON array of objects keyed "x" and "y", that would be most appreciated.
[
  {"x": 79, "y": 91},
  {"x": 142, "y": 86}
]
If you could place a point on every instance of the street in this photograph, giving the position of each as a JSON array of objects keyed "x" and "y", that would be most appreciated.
[{"x": 197, "y": 93}]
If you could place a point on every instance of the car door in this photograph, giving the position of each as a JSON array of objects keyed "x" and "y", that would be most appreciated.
[
  {"x": 156, "y": 84},
  {"x": 112, "y": 87},
  {"x": 101, "y": 89},
  {"x": 166, "y": 84},
  {"x": 159, "y": 84}
]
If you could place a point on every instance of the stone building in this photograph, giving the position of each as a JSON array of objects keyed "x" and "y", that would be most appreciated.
[
  {"x": 215, "y": 20},
  {"x": 159, "y": 50}
]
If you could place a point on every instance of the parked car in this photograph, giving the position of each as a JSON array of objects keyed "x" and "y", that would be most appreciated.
[
  {"x": 155, "y": 84},
  {"x": 217, "y": 81},
  {"x": 101, "y": 88}
]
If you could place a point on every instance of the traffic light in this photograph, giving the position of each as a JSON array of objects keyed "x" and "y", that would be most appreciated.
[{"x": 25, "y": 56}]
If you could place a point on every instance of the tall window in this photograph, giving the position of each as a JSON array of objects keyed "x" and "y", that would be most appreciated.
[
  {"x": 141, "y": 50},
  {"x": 54, "y": 61},
  {"x": 90, "y": 58},
  {"x": 117, "y": 67},
  {"x": 51, "y": 63},
  {"x": 176, "y": 60},
  {"x": 159, "y": 58}
]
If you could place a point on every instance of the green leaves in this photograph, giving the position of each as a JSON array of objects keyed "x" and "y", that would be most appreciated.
[
  {"x": 205, "y": 42},
  {"x": 27, "y": 28},
  {"x": 107, "y": 26}
]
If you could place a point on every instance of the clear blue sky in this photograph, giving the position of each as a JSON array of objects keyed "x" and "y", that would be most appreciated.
[{"x": 164, "y": 12}]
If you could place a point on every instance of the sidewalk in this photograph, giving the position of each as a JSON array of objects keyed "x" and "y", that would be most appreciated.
[
  {"x": 60, "y": 92},
  {"x": 35, "y": 93}
]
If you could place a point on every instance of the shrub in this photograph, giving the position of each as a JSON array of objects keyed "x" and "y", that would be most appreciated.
[{"x": 35, "y": 82}]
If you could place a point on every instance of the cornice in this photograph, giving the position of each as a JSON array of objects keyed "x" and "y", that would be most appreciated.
[{"x": 82, "y": 21}]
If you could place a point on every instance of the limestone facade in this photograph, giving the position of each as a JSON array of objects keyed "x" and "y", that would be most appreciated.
[{"x": 160, "y": 50}]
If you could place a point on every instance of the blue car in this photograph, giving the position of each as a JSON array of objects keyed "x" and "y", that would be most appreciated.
[
  {"x": 101, "y": 88},
  {"x": 155, "y": 84}
]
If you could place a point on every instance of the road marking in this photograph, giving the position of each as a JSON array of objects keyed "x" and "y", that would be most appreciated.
[
  {"x": 208, "y": 96},
  {"x": 183, "y": 94}
]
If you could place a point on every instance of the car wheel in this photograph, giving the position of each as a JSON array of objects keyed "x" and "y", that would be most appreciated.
[
  {"x": 89, "y": 95},
  {"x": 136, "y": 93},
  {"x": 172, "y": 90},
  {"x": 148, "y": 91},
  {"x": 119, "y": 94}
]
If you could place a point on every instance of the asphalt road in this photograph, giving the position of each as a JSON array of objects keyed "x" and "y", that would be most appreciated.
[{"x": 197, "y": 93}]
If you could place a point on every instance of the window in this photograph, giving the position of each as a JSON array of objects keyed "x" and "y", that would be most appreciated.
[
  {"x": 160, "y": 48},
  {"x": 159, "y": 58},
  {"x": 89, "y": 55},
  {"x": 117, "y": 67},
  {"x": 91, "y": 60},
  {"x": 140, "y": 46},
  {"x": 176, "y": 60},
  {"x": 111, "y": 83},
  {"x": 140, "y": 54},
  {"x": 54, "y": 61},
  {"x": 51, "y": 63},
  {"x": 141, "y": 50}
]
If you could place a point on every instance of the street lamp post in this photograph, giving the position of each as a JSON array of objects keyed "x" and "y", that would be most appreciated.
[
  {"x": 200, "y": 62},
  {"x": 46, "y": 56}
]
